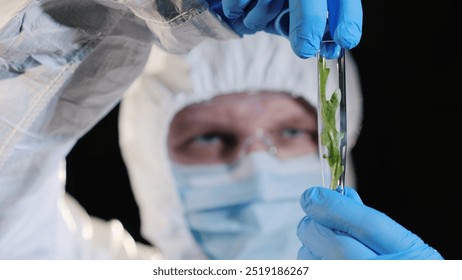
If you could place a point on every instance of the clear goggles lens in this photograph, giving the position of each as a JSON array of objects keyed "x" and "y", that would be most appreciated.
[{"x": 284, "y": 144}]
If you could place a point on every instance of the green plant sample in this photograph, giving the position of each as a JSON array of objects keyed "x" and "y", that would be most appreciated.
[{"x": 330, "y": 136}]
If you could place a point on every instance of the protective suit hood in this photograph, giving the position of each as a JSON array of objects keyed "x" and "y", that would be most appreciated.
[{"x": 170, "y": 82}]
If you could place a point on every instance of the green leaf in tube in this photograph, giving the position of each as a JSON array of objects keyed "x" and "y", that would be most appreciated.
[{"x": 330, "y": 136}]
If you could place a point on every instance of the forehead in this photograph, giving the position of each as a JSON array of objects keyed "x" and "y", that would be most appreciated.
[
  {"x": 251, "y": 106},
  {"x": 244, "y": 111}
]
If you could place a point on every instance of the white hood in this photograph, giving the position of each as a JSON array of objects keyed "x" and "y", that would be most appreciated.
[{"x": 169, "y": 83}]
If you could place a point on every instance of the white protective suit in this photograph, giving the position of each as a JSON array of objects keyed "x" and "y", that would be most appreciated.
[
  {"x": 169, "y": 83},
  {"x": 63, "y": 66}
]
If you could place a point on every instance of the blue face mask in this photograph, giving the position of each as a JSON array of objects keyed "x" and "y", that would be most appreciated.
[{"x": 247, "y": 210}]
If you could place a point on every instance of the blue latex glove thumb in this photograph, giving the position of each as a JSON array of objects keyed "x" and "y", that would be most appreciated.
[{"x": 341, "y": 227}]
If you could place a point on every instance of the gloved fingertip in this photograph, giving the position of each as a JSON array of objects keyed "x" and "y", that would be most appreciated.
[
  {"x": 352, "y": 193},
  {"x": 305, "y": 254},
  {"x": 302, "y": 227},
  {"x": 256, "y": 26},
  {"x": 303, "y": 223},
  {"x": 348, "y": 35},
  {"x": 307, "y": 196},
  {"x": 233, "y": 13},
  {"x": 303, "y": 47}
]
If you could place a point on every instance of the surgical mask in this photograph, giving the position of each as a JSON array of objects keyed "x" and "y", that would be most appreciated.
[{"x": 249, "y": 209}]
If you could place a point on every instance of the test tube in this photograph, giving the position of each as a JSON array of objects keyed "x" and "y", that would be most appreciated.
[
  {"x": 332, "y": 123},
  {"x": 332, "y": 117}
]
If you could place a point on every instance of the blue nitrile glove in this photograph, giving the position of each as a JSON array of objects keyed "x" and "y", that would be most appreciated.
[
  {"x": 341, "y": 227},
  {"x": 249, "y": 16},
  {"x": 305, "y": 26}
]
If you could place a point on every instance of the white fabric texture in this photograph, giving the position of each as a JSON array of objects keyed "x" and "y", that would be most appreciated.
[
  {"x": 63, "y": 66},
  {"x": 169, "y": 83}
]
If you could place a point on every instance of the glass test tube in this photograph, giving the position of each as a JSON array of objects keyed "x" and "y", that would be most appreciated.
[{"x": 332, "y": 118}]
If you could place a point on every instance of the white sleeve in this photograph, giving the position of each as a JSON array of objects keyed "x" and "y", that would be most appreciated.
[
  {"x": 63, "y": 66},
  {"x": 179, "y": 25}
]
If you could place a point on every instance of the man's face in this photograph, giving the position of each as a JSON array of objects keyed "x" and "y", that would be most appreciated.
[{"x": 228, "y": 126}]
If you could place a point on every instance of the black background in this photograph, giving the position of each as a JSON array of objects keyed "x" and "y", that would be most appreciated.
[{"x": 407, "y": 158}]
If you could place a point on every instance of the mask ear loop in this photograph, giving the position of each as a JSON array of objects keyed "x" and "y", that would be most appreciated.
[{"x": 262, "y": 137}]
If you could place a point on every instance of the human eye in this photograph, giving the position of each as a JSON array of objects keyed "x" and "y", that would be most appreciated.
[
  {"x": 293, "y": 140},
  {"x": 207, "y": 147},
  {"x": 210, "y": 138},
  {"x": 292, "y": 132}
]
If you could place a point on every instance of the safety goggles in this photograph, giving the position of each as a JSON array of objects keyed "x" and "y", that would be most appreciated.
[{"x": 224, "y": 131}]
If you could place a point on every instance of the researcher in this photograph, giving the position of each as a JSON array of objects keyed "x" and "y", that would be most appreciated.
[
  {"x": 220, "y": 144},
  {"x": 65, "y": 64}
]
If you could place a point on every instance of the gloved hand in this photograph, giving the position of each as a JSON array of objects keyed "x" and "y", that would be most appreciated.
[
  {"x": 305, "y": 26},
  {"x": 342, "y": 227}
]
